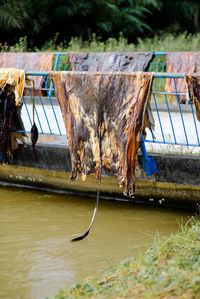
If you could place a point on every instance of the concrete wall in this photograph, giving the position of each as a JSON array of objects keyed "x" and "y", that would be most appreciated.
[{"x": 177, "y": 183}]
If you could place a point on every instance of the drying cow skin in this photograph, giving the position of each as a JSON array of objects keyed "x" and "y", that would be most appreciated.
[
  {"x": 110, "y": 61},
  {"x": 181, "y": 62},
  {"x": 7, "y": 108},
  {"x": 193, "y": 86},
  {"x": 11, "y": 91},
  {"x": 29, "y": 62},
  {"x": 104, "y": 117},
  {"x": 15, "y": 78}
]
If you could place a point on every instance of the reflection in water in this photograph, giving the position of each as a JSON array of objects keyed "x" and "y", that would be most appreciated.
[{"x": 36, "y": 255}]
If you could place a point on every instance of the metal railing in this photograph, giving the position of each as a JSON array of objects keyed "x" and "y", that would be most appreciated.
[
  {"x": 48, "y": 116},
  {"x": 175, "y": 123},
  {"x": 61, "y": 65}
]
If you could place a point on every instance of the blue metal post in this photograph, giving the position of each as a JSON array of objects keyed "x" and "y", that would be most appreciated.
[
  {"x": 55, "y": 69},
  {"x": 149, "y": 164},
  {"x": 56, "y": 62}
]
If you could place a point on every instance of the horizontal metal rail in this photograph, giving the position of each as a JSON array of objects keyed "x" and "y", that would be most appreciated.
[{"x": 156, "y": 75}]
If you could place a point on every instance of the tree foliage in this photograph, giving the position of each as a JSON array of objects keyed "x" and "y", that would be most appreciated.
[
  {"x": 40, "y": 20},
  {"x": 13, "y": 14}
]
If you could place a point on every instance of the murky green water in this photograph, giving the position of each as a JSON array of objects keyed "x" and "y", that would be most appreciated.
[{"x": 36, "y": 255}]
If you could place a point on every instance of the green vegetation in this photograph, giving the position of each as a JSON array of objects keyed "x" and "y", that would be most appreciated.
[
  {"x": 166, "y": 42},
  {"x": 41, "y": 20},
  {"x": 169, "y": 269}
]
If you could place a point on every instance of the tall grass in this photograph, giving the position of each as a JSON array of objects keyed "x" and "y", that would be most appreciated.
[{"x": 162, "y": 43}]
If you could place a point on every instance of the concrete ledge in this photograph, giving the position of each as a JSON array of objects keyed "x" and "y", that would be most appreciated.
[{"x": 177, "y": 183}]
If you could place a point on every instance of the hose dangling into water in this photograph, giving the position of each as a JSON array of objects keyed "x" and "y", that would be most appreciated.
[{"x": 98, "y": 191}]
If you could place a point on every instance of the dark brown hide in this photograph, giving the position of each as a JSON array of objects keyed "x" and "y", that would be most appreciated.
[
  {"x": 108, "y": 104},
  {"x": 29, "y": 62},
  {"x": 193, "y": 85},
  {"x": 181, "y": 62},
  {"x": 7, "y": 109},
  {"x": 110, "y": 61},
  {"x": 115, "y": 62}
]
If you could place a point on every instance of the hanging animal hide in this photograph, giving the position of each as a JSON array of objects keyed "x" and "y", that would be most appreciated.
[
  {"x": 110, "y": 61},
  {"x": 181, "y": 62},
  {"x": 15, "y": 78},
  {"x": 115, "y": 62},
  {"x": 11, "y": 90},
  {"x": 7, "y": 108},
  {"x": 193, "y": 87},
  {"x": 28, "y": 62},
  {"x": 106, "y": 108}
]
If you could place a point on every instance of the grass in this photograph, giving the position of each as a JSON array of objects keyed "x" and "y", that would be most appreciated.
[
  {"x": 163, "y": 42},
  {"x": 169, "y": 269}
]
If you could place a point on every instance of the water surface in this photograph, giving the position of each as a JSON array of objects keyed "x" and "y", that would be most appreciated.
[{"x": 36, "y": 255}]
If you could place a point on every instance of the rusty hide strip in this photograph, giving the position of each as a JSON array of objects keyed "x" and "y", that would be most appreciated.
[
  {"x": 11, "y": 91},
  {"x": 15, "y": 78},
  {"x": 113, "y": 103},
  {"x": 7, "y": 108},
  {"x": 193, "y": 86},
  {"x": 110, "y": 61},
  {"x": 28, "y": 62},
  {"x": 181, "y": 62}
]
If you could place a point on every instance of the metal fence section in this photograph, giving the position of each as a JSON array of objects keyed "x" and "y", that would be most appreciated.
[
  {"x": 48, "y": 116},
  {"x": 61, "y": 62},
  {"x": 175, "y": 123}
]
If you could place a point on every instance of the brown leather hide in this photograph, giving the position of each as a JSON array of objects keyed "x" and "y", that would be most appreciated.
[
  {"x": 11, "y": 91},
  {"x": 181, "y": 62},
  {"x": 110, "y": 61},
  {"x": 103, "y": 115},
  {"x": 7, "y": 109},
  {"x": 193, "y": 86},
  {"x": 28, "y": 62}
]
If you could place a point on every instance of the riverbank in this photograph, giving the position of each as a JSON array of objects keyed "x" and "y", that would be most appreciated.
[{"x": 169, "y": 269}]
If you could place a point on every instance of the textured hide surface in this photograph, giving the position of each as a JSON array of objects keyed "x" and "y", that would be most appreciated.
[
  {"x": 193, "y": 86},
  {"x": 103, "y": 115},
  {"x": 181, "y": 62},
  {"x": 28, "y": 62},
  {"x": 15, "y": 78},
  {"x": 11, "y": 91},
  {"x": 7, "y": 108},
  {"x": 110, "y": 61}
]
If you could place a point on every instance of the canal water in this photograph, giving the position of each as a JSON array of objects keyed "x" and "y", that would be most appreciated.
[{"x": 36, "y": 255}]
